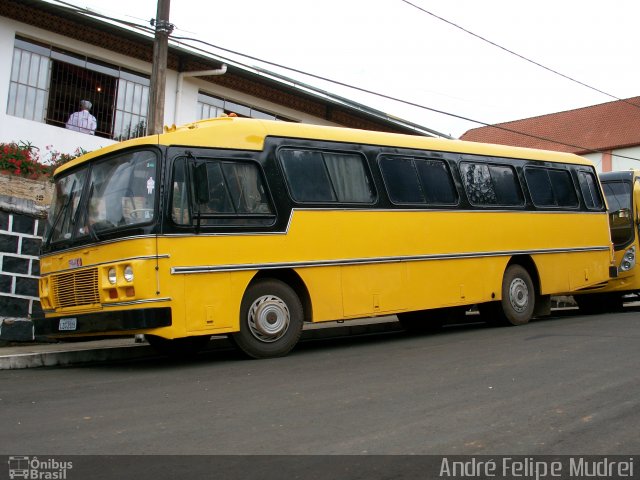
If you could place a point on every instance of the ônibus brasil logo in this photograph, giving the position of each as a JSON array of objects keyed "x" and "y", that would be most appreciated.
[{"x": 38, "y": 469}]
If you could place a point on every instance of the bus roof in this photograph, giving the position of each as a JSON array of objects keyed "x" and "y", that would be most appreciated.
[{"x": 250, "y": 134}]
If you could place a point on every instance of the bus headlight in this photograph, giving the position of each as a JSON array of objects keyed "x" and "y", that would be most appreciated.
[
  {"x": 629, "y": 260},
  {"x": 112, "y": 276},
  {"x": 128, "y": 273}
]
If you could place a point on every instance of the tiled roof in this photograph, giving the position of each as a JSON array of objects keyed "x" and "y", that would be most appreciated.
[{"x": 601, "y": 127}]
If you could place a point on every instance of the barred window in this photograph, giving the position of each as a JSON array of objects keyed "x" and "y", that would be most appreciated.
[
  {"x": 28, "y": 85},
  {"x": 131, "y": 109},
  {"x": 47, "y": 85}
]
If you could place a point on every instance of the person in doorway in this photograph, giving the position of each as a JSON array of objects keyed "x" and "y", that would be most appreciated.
[{"x": 82, "y": 120}]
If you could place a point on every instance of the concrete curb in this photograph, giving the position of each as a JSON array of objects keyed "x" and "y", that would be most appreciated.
[
  {"x": 74, "y": 357},
  {"x": 78, "y": 353}
]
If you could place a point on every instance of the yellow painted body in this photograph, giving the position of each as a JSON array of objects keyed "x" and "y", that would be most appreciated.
[{"x": 353, "y": 263}]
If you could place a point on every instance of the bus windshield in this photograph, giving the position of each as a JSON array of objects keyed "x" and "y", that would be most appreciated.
[
  {"x": 620, "y": 217},
  {"x": 110, "y": 194}
]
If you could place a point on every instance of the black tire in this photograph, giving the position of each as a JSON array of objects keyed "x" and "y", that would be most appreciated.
[
  {"x": 430, "y": 321},
  {"x": 518, "y": 300},
  {"x": 518, "y": 296},
  {"x": 271, "y": 320},
  {"x": 186, "y": 347}
]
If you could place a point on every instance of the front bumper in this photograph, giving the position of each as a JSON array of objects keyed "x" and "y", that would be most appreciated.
[{"x": 105, "y": 323}]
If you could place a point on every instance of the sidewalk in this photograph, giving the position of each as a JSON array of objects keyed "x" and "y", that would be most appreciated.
[{"x": 31, "y": 355}]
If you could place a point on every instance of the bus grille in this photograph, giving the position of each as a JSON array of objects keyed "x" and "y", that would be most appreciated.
[{"x": 75, "y": 289}]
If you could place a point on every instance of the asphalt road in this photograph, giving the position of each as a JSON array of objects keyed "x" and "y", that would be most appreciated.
[{"x": 564, "y": 385}]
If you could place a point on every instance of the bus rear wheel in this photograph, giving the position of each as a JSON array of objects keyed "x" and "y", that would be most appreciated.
[
  {"x": 518, "y": 299},
  {"x": 271, "y": 319}
]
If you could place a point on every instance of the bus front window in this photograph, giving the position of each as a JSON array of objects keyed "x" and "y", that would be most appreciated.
[
  {"x": 620, "y": 215},
  {"x": 122, "y": 192},
  {"x": 64, "y": 206},
  {"x": 106, "y": 195}
]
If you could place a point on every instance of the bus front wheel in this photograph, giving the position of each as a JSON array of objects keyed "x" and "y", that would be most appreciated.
[{"x": 271, "y": 319}]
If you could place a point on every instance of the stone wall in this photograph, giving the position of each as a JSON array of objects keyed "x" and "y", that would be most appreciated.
[
  {"x": 20, "y": 239},
  {"x": 23, "y": 211}
]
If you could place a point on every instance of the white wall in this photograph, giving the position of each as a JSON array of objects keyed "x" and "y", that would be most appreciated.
[
  {"x": 626, "y": 163},
  {"x": 617, "y": 162},
  {"x": 14, "y": 129}
]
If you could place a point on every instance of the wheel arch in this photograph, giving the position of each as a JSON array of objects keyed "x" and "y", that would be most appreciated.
[
  {"x": 526, "y": 262},
  {"x": 291, "y": 278}
]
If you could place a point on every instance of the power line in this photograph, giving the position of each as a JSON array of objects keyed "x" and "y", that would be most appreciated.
[
  {"x": 395, "y": 99},
  {"x": 93, "y": 13},
  {"x": 370, "y": 92},
  {"x": 526, "y": 59}
]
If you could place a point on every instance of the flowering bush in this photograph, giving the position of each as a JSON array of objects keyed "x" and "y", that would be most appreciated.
[
  {"x": 57, "y": 158},
  {"x": 23, "y": 159}
]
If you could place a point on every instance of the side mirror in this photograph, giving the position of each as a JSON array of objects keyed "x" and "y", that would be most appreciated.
[{"x": 200, "y": 181}]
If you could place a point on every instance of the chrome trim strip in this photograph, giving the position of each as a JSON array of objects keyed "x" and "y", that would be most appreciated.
[
  {"x": 93, "y": 265},
  {"x": 376, "y": 260},
  {"x": 136, "y": 302}
]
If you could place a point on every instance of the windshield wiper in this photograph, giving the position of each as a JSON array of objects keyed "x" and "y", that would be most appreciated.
[{"x": 64, "y": 208}]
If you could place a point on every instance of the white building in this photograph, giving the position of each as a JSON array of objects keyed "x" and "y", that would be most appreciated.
[{"x": 54, "y": 56}]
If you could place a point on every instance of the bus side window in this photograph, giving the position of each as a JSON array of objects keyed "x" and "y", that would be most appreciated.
[
  {"x": 437, "y": 183},
  {"x": 551, "y": 187},
  {"x": 590, "y": 192},
  {"x": 416, "y": 180},
  {"x": 230, "y": 193},
  {"x": 246, "y": 190},
  {"x": 488, "y": 184},
  {"x": 477, "y": 182},
  {"x": 401, "y": 180},
  {"x": 321, "y": 176}
]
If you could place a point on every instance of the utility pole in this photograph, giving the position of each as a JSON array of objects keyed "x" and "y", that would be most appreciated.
[{"x": 155, "y": 121}]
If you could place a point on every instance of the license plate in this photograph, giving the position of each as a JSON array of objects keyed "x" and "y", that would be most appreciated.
[{"x": 68, "y": 324}]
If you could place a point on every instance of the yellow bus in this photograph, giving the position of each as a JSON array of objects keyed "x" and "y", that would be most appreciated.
[
  {"x": 251, "y": 228},
  {"x": 622, "y": 192}
]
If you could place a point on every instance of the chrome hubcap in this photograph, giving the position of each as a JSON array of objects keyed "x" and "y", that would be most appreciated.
[
  {"x": 268, "y": 318},
  {"x": 519, "y": 295}
]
